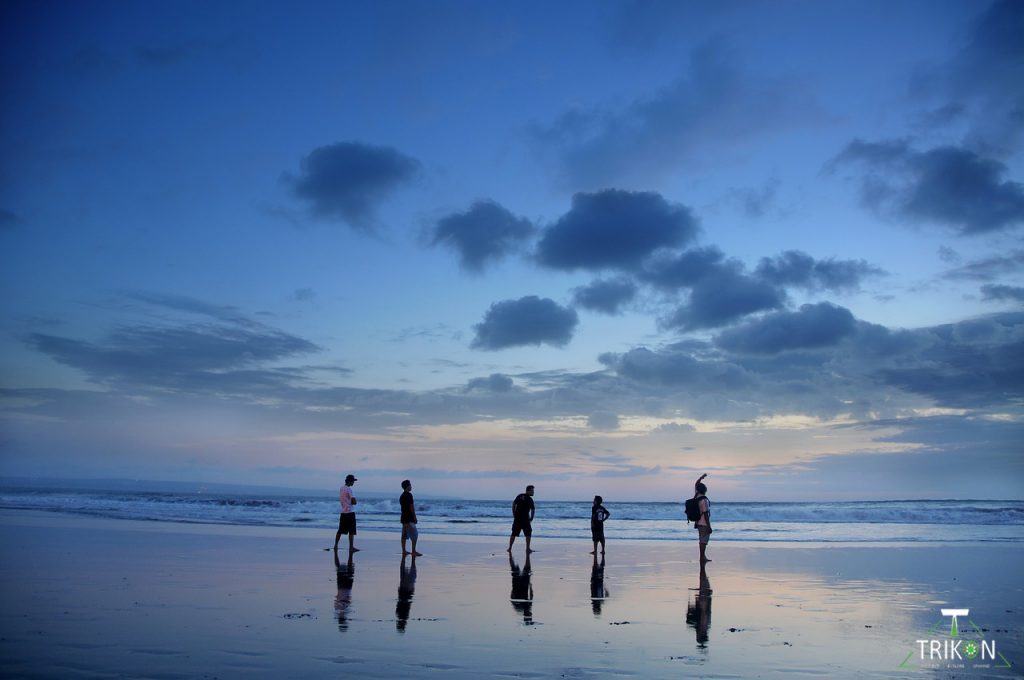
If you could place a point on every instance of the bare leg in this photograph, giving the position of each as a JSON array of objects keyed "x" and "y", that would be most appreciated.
[
  {"x": 602, "y": 546},
  {"x": 595, "y": 550},
  {"x": 528, "y": 551},
  {"x": 337, "y": 537},
  {"x": 511, "y": 540},
  {"x": 351, "y": 543}
]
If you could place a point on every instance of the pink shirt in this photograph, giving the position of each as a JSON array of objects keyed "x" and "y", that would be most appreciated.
[{"x": 345, "y": 496}]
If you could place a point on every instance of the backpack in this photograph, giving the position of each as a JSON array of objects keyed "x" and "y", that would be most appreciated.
[{"x": 692, "y": 507}]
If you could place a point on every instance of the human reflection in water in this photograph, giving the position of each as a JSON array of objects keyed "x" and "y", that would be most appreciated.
[
  {"x": 342, "y": 601},
  {"x": 522, "y": 590},
  {"x": 598, "y": 593},
  {"x": 698, "y": 612},
  {"x": 406, "y": 589}
]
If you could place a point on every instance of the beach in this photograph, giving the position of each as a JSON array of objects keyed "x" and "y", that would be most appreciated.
[{"x": 98, "y": 597}]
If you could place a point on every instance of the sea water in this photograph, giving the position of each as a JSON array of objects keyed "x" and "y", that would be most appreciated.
[{"x": 831, "y": 522}]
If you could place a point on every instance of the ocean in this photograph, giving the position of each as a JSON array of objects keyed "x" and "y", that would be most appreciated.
[{"x": 901, "y": 521}]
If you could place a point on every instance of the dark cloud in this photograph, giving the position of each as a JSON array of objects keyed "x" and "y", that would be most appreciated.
[
  {"x": 794, "y": 268},
  {"x": 673, "y": 368},
  {"x": 971, "y": 364},
  {"x": 999, "y": 292},
  {"x": 302, "y": 295},
  {"x": 606, "y": 296},
  {"x": 495, "y": 382},
  {"x": 346, "y": 181},
  {"x": 946, "y": 185},
  {"x": 603, "y": 420},
  {"x": 723, "y": 298},
  {"x": 527, "y": 321},
  {"x": 982, "y": 80},
  {"x": 194, "y": 356},
  {"x": 614, "y": 229},
  {"x": 989, "y": 268},
  {"x": 715, "y": 105},
  {"x": 184, "y": 303},
  {"x": 813, "y": 326},
  {"x": 484, "y": 233},
  {"x": 672, "y": 272}
]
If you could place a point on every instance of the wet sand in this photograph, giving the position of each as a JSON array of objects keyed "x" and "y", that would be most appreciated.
[{"x": 86, "y": 597}]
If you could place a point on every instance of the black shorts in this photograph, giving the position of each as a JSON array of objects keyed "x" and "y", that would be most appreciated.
[
  {"x": 597, "y": 532},
  {"x": 347, "y": 523},
  {"x": 522, "y": 526}
]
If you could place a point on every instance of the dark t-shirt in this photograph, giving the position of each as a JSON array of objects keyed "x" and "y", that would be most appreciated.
[
  {"x": 598, "y": 515},
  {"x": 524, "y": 506},
  {"x": 408, "y": 511}
]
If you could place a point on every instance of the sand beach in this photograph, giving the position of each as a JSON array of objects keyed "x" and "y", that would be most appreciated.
[{"x": 92, "y": 597}]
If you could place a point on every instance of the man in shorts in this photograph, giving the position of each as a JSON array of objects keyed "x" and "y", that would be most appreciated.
[
  {"x": 522, "y": 518},
  {"x": 347, "y": 518},
  {"x": 408, "y": 506}
]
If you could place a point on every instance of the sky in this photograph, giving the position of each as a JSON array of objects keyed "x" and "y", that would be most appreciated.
[{"x": 598, "y": 247}]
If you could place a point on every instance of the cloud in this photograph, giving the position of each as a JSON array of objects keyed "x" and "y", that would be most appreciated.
[
  {"x": 484, "y": 233},
  {"x": 614, "y": 229},
  {"x": 714, "y": 105},
  {"x": 813, "y": 326},
  {"x": 755, "y": 201},
  {"x": 982, "y": 80},
  {"x": 346, "y": 181},
  {"x": 945, "y": 185},
  {"x": 186, "y": 356},
  {"x": 989, "y": 268},
  {"x": 495, "y": 382},
  {"x": 529, "y": 320},
  {"x": 798, "y": 269},
  {"x": 722, "y": 298},
  {"x": 604, "y": 421},
  {"x": 998, "y": 292},
  {"x": 971, "y": 364},
  {"x": 606, "y": 296},
  {"x": 671, "y": 272}
]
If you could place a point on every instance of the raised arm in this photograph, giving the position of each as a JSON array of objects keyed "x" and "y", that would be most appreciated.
[{"x": 699, "y": 480}]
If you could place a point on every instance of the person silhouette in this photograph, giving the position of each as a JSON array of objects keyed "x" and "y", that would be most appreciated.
[
  {"x": 522, "y": 590},
  {"x": 698, "y": 612},
  {"x": 598, "y": 592},
  {"x": 406, "y": 590},
  {"x": 343, "y": 600}
]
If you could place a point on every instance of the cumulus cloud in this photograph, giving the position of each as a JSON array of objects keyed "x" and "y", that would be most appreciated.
[
  {"x": 675, "y": 271},
  {"x": 495, "y": 382},
  {"x": 606, "y": 296},
  {"x": 346, "y": 181},
  {"x": 484, "y": 233},
  {"x": 723, "y": 298},
  {"x": 614, "y": 229},
  {"x": 799, "y": 270},
  {"x": 713, "y": 105},
  {"x": 813, "y": 326},
  {"x": 529, "y": 320},
  {"x": 946, "y": 185},
  {"x": 1001, "y": 292}
]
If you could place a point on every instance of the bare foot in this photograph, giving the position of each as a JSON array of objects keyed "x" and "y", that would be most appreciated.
[
  {"x": 353, "y": 549},
  {"x": 417, "y": 554},
  {"x": 530, "y": 550},
  {"x": 593, "y": 552}
]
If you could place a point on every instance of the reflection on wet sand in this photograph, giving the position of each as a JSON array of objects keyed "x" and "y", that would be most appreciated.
[
  {"x": 343, "y": 600},
  {"x": 598, "y": 592},
  {"x": 698, "y": 611},
  {"x": 406, "y": 590},
  {"x": 522, "y": 590}
]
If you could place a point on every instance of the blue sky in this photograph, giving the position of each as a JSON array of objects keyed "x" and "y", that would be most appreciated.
[{"x": 597, "y": 247}]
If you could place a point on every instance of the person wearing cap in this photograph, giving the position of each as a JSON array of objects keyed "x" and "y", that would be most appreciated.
[{"x": 347, "y": 518}]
